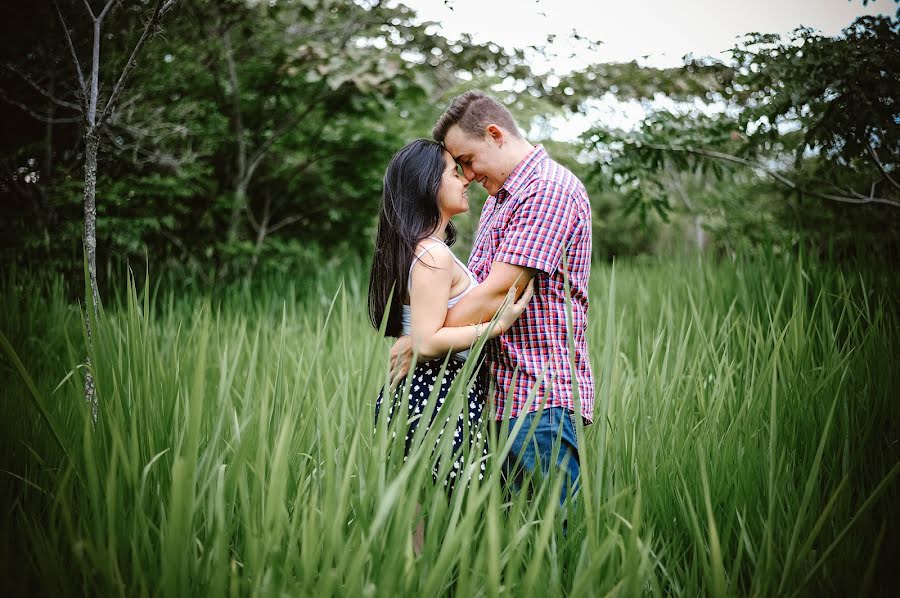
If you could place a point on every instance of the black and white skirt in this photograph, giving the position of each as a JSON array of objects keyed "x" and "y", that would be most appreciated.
[{"x": 423, "y": 381}]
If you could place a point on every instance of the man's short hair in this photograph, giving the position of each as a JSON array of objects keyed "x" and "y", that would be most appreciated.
[{"x": 473, "y": 111}]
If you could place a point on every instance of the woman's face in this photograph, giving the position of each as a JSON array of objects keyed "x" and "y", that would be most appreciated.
[{"x": 452, "y": 196}]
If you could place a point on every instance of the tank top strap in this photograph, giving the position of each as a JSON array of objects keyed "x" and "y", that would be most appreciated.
[
  {"x": 425, "y": 250},
  {"x": 456, "y": 259}
]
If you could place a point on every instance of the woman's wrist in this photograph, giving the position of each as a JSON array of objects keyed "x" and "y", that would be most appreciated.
[{"x": 489, "y": 329}]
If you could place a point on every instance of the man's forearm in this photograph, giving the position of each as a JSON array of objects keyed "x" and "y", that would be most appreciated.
[
  {"x": 483, "y": 301},
  {"x": 479, "y": 305}
]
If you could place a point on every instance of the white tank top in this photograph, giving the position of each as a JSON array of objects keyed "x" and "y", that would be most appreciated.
[{"x": 406, "y": 319}]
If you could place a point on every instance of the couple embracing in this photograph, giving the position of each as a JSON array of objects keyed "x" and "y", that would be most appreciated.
[{"x": 532, "y": 251}]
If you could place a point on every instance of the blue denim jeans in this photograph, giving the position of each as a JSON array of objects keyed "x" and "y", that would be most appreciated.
[{"x": 554, "y": 441}]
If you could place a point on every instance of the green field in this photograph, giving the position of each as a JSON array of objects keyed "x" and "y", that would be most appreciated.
[{"x": 746, "y": 444}]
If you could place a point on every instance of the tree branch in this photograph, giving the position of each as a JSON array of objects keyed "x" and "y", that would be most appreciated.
[
  {"x": 852, "y": 192},
  {"x": 31, "y": 82},
  {"x": 881, "y": 167},
  {"x": 186, "y": 254},
  {"x": 141, "y": 156},
  {"x": 772, "y": 173},
  {"x": 93, "y": 98},
  {"x": 169, "y": 5},
  {"x": 286, "y": 221},
  {"x": 90, "y": 10},
  {"x": 79, "y": 77},
  {"x": 129, "y": 66},
  {"x": 40, "y": 117},
  {"x": 250, "y": 217},
  {"x": 682, "y": 194},
  {"x": 282, "y": 129},
  {"x": 105, "y": 10}
]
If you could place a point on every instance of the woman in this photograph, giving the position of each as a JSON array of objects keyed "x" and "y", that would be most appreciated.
[{"x": 413, "y": 261}]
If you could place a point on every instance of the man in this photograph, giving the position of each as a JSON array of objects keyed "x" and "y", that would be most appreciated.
[{"x": 535, "y": 224}]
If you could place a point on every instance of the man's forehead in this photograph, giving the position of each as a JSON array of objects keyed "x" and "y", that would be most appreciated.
[{"x": 458, "y": 143}]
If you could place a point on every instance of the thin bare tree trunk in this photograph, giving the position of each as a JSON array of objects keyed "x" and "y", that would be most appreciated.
[
  {"x": 94, "y": 120},
  {"x": 92, "y": 144},
  {"x": 91, "y": 148}
]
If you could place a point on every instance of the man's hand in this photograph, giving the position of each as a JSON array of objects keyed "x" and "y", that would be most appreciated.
[{"x": 401, "y": 359}]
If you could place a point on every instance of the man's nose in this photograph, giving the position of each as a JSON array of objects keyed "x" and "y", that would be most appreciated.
[{"x": 468, "y": 173}]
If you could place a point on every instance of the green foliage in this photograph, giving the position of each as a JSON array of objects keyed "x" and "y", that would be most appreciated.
[
  {"x": 801, "y": 128},
  {"x": 631, "y": 81},
  {"x": 841, "y": 93}
]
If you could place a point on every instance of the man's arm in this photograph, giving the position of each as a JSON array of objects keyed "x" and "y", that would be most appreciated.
[
  {"x": 482, "y": 302},
  {"x": 429, "y": 291}
]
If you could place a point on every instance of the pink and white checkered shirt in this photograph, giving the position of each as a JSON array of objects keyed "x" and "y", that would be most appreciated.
[{"x": 541, "y": 212}]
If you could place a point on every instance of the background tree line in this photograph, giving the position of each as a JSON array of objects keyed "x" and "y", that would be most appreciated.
[{"x": 253, "y": 135}]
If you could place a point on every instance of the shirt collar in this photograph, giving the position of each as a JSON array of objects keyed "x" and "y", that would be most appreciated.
[{"x": 522, "y": 173}]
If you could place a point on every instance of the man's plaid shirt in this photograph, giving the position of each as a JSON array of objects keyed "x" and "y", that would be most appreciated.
[{"x": 541, "y": 213}]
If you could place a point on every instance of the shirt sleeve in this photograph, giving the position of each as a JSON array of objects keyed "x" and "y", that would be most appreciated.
[{"x": 537, "y": 232}]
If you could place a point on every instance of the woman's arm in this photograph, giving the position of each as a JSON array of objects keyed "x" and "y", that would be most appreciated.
[{"x": 431, "y": 280}]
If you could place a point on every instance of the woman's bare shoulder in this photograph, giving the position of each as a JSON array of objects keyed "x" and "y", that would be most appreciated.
[{"x": 434, "y": 255}]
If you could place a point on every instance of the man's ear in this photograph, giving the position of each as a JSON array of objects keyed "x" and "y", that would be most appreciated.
[{"x": 495, "y": 133}]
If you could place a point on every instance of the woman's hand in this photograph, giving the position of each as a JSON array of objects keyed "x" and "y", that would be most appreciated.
[
  {"x": 511, "y": 309},
  {"x": 401, "y": 359}
]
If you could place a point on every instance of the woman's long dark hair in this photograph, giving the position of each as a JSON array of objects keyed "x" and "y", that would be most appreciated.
[{"x": 409, "y": 212}]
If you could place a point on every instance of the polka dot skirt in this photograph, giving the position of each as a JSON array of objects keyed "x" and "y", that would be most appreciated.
[{"x": 422, "y": 384}]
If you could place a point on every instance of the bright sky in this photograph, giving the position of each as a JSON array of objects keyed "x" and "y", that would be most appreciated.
[
  {"x": 661, "y": 30},
  {"x": 654, "y": 32}
]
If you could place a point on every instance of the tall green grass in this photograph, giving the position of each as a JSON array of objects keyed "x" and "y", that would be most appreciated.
[{"x": 746, "y": 443}]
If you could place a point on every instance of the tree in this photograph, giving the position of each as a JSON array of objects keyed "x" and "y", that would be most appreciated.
[
  {"x": 814, "y": 115},
  {"x": 825, "y": 103},
  {"x": 95, "y": 113}
]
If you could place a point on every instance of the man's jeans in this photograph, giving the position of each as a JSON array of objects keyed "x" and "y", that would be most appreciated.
[{"x": 554, "y": 441}]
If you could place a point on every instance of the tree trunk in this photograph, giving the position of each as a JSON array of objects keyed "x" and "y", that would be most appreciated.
[
  {"x": 261, "y": 234},
  {"x": 237, "y": 209},
  {"x": 240, "y": 177},
  {"x": 94, "y": 122},
  {"x": 92, "y": 144},
  {"x": 699, "y": 233}
]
